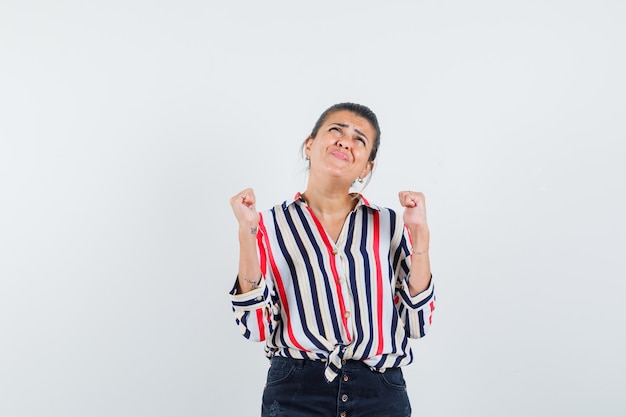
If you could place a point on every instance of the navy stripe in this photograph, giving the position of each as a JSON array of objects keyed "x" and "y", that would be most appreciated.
[
  {"x": 309, "y": 269},
  {"x": 419, "y": 304},
  {"x": 294, "y": 281},
  {"x": 320, "y": 250},
  {"x": 309, "y": 277},
  {"x": 359, "y": 336}
]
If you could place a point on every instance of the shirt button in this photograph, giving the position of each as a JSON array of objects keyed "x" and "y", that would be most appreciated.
[
  {"x": 344, "y": 398},
  {"x": 347, "y": 314},
  {"x": 343, "y": 414},
  {"x": 343, "y": 361},
  {"x": 345, "y": 378},
  {"x": 335, "y": 251}
]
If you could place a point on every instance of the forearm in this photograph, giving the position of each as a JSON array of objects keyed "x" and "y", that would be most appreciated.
[
  {"x": 420, "y": 274},
  {"x": 249, "y": 268}
]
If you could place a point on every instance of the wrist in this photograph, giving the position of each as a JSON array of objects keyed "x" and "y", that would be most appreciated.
[
  {"x": 254, "y": 283},
  {"x": 248, "y": 231}
]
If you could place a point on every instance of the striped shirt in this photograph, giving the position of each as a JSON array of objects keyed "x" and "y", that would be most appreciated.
[{"x": 333, "y": 301}]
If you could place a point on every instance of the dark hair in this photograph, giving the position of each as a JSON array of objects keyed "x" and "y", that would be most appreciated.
[{"x": 358, "y": 109}]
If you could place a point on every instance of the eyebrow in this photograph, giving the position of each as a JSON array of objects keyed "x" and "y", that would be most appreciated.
[{"x": 346, "y": 126}]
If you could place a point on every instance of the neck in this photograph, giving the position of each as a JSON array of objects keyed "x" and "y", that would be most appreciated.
[{"x": 329, "y": 202}]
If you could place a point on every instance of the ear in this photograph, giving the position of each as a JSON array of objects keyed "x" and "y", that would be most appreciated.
[
  {"x": 368, "y": 168},
  {"x": 307, "y": 145}
]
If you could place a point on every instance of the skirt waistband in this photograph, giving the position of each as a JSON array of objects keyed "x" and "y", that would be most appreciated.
[{"x": 320, "y": 363}]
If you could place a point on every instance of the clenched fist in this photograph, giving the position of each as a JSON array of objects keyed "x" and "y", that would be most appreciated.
[
  {"x": 414, "y": 205},
  {"x": 243, "y": 205}
]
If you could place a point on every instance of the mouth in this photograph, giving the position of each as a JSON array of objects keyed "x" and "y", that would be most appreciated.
[{"x": 339, "y": 155}]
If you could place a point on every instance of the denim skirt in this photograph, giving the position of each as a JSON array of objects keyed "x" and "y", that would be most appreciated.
[{"x": 297, "y": 388}]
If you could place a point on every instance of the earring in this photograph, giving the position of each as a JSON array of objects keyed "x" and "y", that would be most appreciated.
[
  {"x": 308, "y": 158},
  {"x": 360, "y": 180}
]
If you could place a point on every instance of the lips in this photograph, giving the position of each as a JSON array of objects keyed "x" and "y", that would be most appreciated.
[{"x": 339, "y": 155}]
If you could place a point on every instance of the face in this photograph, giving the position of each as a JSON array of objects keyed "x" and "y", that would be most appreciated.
[{"x": 342, "y": 146}]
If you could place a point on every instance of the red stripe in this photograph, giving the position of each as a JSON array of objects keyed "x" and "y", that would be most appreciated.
[
  {"x": 333, "y": 268},
  {"x": 281, "y": 290},
  {"x": 259, "y": 320},
  {"x": 379, "y": 281},
  {"x": 432, "y": 308},
  {"x": 263, "y": 265},
  {"x": 259, "y": 243}
]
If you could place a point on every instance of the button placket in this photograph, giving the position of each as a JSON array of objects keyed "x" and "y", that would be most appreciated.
[{"x": 344, "y": 391}]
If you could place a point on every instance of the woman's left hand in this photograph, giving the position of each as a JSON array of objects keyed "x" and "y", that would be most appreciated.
[
  {"x": 414, "y": 205},
  {"x": 414, "y": 217}
]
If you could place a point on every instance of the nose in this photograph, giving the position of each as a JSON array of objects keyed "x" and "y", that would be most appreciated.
[{"x": 342, "y": 144}]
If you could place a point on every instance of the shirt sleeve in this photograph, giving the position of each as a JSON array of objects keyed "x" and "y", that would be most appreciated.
[
  {"x": 416, "y": 312},
  {"x": 253, "y": 312}
]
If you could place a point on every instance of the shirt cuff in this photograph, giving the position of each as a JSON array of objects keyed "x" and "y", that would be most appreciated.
[
  {"x": 419, "y": 299},
  {"x": 250, "y": 300}
]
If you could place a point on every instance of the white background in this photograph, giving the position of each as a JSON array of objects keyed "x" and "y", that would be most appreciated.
[{"x": 126, "y": 126}]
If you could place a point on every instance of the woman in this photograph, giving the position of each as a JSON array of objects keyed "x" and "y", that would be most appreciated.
[{"x": 333, "y": 284}]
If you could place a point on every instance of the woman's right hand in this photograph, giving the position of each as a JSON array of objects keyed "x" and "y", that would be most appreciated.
[{"x": 243, "y": 205}]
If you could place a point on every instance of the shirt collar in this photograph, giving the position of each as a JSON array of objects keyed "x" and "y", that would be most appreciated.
[{"x": 362, "y": 201}]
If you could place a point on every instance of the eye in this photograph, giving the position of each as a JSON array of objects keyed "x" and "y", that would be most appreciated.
[{"x": 337, "y": 132}]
